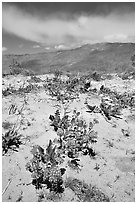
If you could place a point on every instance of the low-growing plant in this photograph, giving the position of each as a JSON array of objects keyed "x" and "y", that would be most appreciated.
[
  {"x": 12, "y": 109},
  {"x": 74, "y": 134},
  {"x": 22, "y": 90},
  {"x": 64, "y": 90},
  {"x": 45, "y": 170},
  {"x": 58, "y": 122},
  {"x": 85, "y": 193},
  {"x": 127, "y": 75},
  {"x": 7, "y": 91},
  {"x": 96, "y": 76},
  {"x": 35, "y": 79},
  {"x": 57, "y": 74},
  {"x": 133, "y": 60},
  {"x": 74, "y": 137},
  {"x": 16, "y": 69},
  {"x": 11, "y": 140},
  {"x": 121, "y": 101},
  {"x": 73, "y": 163}
]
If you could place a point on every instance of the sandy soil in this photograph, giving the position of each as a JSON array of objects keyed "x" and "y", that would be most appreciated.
[{"x": 113, "y": 169}]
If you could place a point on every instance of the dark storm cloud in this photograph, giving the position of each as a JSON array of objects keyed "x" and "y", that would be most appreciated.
[
  {"x": 70, "y": 23},
  {"x": 94, "y": 8}
]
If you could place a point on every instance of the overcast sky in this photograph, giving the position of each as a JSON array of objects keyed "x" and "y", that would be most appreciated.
[{"x": 37, "y": 27}]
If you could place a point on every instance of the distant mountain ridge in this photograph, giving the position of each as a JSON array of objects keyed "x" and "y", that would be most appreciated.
[{"x": 101, "y": 57}]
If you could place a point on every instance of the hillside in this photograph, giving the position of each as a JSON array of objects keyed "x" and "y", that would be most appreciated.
[{"x": 104, "y": 57}]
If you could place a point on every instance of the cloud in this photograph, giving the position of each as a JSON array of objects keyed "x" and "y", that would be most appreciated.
[
  {"x": 36, "y": 46},
  {"x": 60, "y": 47},
  {"x": 116, "y": 37},
  {"x": 4, "y": 49},
  {"x": 47, "y": 48},
  {"x": 55, "y": 30}
]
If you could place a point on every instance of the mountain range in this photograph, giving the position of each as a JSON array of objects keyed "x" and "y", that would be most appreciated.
[{"x": 100, "y": 57}]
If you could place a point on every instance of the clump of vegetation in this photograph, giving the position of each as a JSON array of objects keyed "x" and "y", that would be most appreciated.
[
  {"x": 121, "y": 101},
  {"x": 58, "y": 122},
  {"x": 133, "y": 60},
  {"x": 96, "y": 76},
  {"x": 26, "y": 89},
  {"x": 11, "y": 140},
  {"x": 112, "y": 103},
  {"x": 127, "y": 75},
  {"x": 74, "y": 138},
  {"x": 45, "y": 170},
  {"x": 7, "y": 91},
  {"x": 16, "y": 69},
  {"x": 126, "y": 133},
  {"x": 64, "y": 91},
  {"x": 57, "y": 74},
  {"x": 21, "y": 90},
  {"x": 69, "y": 89},
  {"x": 73, "y": 163},
  {"x": 35, "y": 79},
  {"x": 74, "y": 134},
  {"x": 53, "y": 179},
  {"x": 84, "y": 192}
]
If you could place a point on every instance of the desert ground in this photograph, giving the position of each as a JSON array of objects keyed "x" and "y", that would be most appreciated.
[{"x": 68, "y": 139}]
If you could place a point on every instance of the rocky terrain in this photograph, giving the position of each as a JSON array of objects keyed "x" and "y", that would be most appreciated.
[{"x": 68, "y": 138}]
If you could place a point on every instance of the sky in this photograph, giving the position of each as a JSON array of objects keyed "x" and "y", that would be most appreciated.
[{"x": 30, "y": 27}]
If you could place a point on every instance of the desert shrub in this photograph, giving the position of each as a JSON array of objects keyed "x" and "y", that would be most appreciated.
[
  {"x": 57, "y": 74},
  {"x": 112, "y": 103},
  {"x": 96, "y": 76},
  {"x": 57, "y": 122},
  {"x": 85, "y": 193},
  {"x": 45, "y": 170},
  {"x": 121, "y": 101},
  {"x": 26, "y": 89},
  {"x": 92, "y": 75},
  {"x": 27, "y": 72},
  {"x": 68, "y": 90},
  {"x": 12, "y": 109},
  {"x": 64, "y": 91},
  {"x": 35, "y": 79},
  {"x": 7, "y": 91},
  {"x": 133, "y": 60},
  {"x": 11, "y": 140},
  {"x": 75, "y": 135},
  {"x": 16, "y": 69},
  {"x": 127, "y": 75},
  {"x": 21, "y": 90},
  {"x": 73, "y": 164}
]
